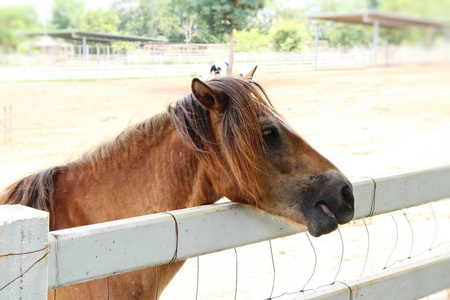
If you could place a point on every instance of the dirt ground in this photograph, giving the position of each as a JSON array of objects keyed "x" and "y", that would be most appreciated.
[{"x": 369, "y": 122}]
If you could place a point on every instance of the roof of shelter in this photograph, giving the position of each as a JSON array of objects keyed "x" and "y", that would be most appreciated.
[
  {"x": 385, "y": 19},
  {"x": 91, "y": 36}
]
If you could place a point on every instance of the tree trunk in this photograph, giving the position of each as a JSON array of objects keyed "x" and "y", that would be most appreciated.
[{"x": 231, "y": 57}]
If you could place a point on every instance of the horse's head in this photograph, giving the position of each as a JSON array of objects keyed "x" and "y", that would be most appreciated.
[{"x": 256, "y": 158}]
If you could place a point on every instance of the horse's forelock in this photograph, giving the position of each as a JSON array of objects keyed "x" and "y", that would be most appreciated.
[{"x": 240, "y": 135}]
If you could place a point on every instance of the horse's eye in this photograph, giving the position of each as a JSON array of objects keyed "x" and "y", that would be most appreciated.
[{"x": 268, "y": 132}]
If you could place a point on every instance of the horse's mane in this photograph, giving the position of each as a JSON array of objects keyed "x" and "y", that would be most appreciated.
[
  {"x": 143, "y": 134},
  {"x": 240, "y": 137},
  {"x": 240, "y": 140}
]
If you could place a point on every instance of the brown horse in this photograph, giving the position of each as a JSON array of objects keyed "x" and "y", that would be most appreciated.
[{"x": 223, "y": 140}]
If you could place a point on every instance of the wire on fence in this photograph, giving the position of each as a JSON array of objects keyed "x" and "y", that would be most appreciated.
[{"x": 46, "y": 248}]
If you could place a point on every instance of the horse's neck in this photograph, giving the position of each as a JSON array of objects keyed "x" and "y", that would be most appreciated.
[{"x": 144, "y": 179}]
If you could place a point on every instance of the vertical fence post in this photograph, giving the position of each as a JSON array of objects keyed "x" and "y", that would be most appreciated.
[
  {"x": 10, "y": 123},
  {"x": 316, "y": 46},
  {"x": 4, "y": 123},
  {"x": 23, "y": 252},
  {"x": 376, "y": 27}
]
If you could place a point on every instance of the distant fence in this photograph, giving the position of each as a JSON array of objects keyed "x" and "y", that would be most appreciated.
[
  {"x": 44, "y": 260},
  {"x": 141, "y": 65},
  {"x": 6, "y": 123}
]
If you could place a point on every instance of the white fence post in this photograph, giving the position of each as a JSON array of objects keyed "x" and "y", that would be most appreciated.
[{"x": 23, "y": 252}]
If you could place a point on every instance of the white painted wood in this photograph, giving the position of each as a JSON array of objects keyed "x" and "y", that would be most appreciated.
[
  {"x": 100, "y": 250},
  {"x": 23, "y": 229},
  {"x": 270, "y": 62},
  {"x": 411, "y": 189},
  {"x": 226, "y": 226},
  {"x": 409, "y": 282},
  {"x": 363, "y": 190},
  {"x": 95, "y": 251},
  {"x": 120, "y": 246}
]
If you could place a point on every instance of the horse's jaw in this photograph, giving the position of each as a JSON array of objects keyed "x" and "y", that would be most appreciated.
[{"x": 320, "y": 202}]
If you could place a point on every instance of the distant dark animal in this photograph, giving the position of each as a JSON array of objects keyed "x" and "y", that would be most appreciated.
[{"x": 219, "y": 68}]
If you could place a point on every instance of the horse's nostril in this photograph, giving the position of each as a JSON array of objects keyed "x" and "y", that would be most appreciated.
[{"x": 347, "y": 194}]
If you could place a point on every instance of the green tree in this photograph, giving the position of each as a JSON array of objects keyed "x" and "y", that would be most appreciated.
[
  {"x": 99, "y": 20},
  {"x": 289, "y": 35},
  {"x": 336, "y": 6},
  {"x": 251, "y": 40},
  {"x": 433, "y": 9},
  {"x": 67, "y": 14},
  {"x": 224, "y": 16},
  {"x": 12, "y": 20},
  {"x": 185, "y": 22},
  {"x": 348, "y": 35},
  {"x": 144, "y": 17}
]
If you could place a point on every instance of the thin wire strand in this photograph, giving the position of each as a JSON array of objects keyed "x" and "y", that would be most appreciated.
[
  {"x": 368, "y": 247},
  {"x": 435, "y": 226},
  {"x": 312, "y": 274},
  {"x": 396, "y": 240},
  {"x": 47, "y": 246},
  {"x": 372, "y": 205},
  {"x": 237, "y": 273},
  {"x": 274, "y": 271},
  {"x": 25, "y": 253},
  {"x": 198, "y": 277},
  {"x": 412, "y": 234},
  {"x": 175, "y": 254},
  {"x": 315, "y": 262},
  {"x": 342, "y": 256},
  {"x": 349, "y": 288},
  {"x": 411, "y": 247}
]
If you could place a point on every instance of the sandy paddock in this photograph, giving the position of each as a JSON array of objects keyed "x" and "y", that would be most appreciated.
[{"x": 369, "y": 122}]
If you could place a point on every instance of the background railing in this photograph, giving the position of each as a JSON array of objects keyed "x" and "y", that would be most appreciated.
[{"x": 140, "y": 64}]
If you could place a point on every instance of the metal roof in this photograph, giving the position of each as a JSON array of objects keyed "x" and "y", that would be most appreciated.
[
  {"x": 91, "y": 36},
  {"x": 385, "y": 19}
]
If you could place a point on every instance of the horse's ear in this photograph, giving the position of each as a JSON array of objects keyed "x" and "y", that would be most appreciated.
[
  {"x": 208, "y": 96},
  {"x": 251, "y": 73}
]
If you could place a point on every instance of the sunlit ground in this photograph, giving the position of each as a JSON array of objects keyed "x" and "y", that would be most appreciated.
[{"x": 369, "y": 122}]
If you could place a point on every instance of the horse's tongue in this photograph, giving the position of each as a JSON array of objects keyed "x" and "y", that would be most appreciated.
[{"x": 326, "y": 210}]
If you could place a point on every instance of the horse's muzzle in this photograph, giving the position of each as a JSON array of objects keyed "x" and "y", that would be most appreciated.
[{"x": 331, "y": 203}]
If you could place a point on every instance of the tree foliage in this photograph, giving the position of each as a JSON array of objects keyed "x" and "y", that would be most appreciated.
[
  {"x": 12, "y": 20},
  {"x": 224, "y": 16},
  {"x": 251, "y": 40},
  {"x": 289, "y": 35},
  {"x": 439, "y": 9},
  {"x": 347, "y": 36},
  {"x": 144, "y": 17},
  {"x": 67, "y": 14},
  {"x": 99, "y": 20},
  {"x": 250, "y": 22}
]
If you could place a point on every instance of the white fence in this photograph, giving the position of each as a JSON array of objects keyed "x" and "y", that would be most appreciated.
[
  {"x": 95, "y": 251},
  {"x": 137, "y": 66}
]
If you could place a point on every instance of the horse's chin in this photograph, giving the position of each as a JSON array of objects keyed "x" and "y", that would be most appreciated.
[
  {"x": 319, "y": 223},
  {"x": 320, "y": 219}
]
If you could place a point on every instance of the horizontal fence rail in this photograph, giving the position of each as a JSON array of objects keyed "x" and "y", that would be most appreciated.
[
  {"x": 409, "y": 282},
  {"x": 95, "y": 251},
  {"x": 136, "y": 243},
  {"x": 148, "y": 66}
]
